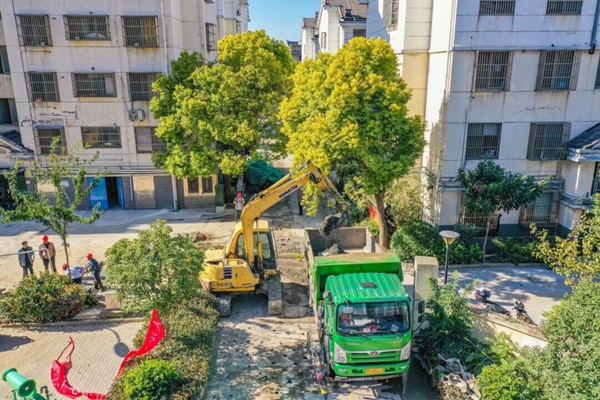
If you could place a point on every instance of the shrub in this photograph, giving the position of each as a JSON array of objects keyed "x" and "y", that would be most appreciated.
[
  {"x": 516, "y": 251},
  {"x": 372, "y": 225},
  {"x": 507, "y": 381},
  {"x": 151, "y": 380},
  {"x": 192, "y": 330},
  {"x": 43, "y": 298}
]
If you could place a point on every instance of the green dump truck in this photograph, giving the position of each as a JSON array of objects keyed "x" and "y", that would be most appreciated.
[{"x": 362, "y": 311}]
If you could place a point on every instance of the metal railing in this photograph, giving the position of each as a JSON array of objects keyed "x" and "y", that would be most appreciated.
[
  {"x": 492, "y": 72},
  {"x": 481, "y": 222},
  {"x": 101, "y": 137},
  {"x": 497, "y": 7},
  {"x": 34, "y": 30},
  {"x": 46, "y": 136},
  {"x": 87, "y": 27},
  {"x": 146, "y": 140},
  {"x": 140, "y": 31},
  {"x": 94, "y": 85},
  {"x": 140, "y": 85},
  {"x": 43, "y": 86},
  {"x": 558, "y": 70},
  {"x": 543, "y": 211},
  {"x": 548, "y": 141},
  {"x": 562, "y": 7},
  {"x": 483, "y": 141}
]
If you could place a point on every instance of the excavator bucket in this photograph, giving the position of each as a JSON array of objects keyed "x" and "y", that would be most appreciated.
[{"x": 335, "y": 221}]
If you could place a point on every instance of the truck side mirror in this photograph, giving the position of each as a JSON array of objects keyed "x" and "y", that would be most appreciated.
[
  {"x": 321, "y": 312},
  {"x": 421, "y": 307}
]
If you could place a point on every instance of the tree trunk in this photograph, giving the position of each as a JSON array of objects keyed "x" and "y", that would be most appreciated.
[
  {"x": 383, "y": 228},
  {"x": 63, "y": 237},
  {"x": 487, "y": 231}
]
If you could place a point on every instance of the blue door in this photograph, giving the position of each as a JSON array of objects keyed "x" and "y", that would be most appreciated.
[
  {"x": 98, "y": 194},
  {"x": 120, "y": 191}
]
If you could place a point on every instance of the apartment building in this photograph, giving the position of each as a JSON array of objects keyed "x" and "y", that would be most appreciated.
[
  {"x": 336, "y": 22},
  {"x": 295, "y": 49},
  {"x": 232, "y": 17},
  {"x": 83, "y": 70},
  {"x": 514, "y": 81}
]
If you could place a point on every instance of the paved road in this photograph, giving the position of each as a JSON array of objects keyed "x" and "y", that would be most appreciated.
[{"x": 99, "y": 350}]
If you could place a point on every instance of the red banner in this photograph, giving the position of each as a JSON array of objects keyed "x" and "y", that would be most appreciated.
[{"x": 156, "y": 333}]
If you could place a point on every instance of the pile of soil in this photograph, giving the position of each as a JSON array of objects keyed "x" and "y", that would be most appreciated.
[
  {"x": 198, "y": 237},
  {"x": 332, "y": 251}
]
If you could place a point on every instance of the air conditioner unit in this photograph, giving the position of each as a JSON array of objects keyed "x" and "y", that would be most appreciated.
[{"x": 137, "y": 115}]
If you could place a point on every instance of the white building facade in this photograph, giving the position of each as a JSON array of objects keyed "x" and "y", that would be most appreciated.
[
  {"x": 514, "y": 81},
  {"x": 232, "y": 17},
  {"x": 83, "y": 70}
]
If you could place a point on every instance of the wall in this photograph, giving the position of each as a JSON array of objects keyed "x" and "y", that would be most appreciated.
[{"x": 485, "y": 329}]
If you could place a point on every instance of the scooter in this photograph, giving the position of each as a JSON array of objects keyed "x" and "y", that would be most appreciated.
[
  {"x": 522, "y": 314},
  {"x": 483, "y": 296}
]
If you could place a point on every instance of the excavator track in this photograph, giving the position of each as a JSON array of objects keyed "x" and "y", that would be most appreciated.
[
  {"x": 224, "y": 304},
  {"x": 275, "y": 295}
]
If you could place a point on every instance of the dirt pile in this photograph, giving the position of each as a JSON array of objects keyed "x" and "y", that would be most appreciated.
[{"x": 199, "y": 237}]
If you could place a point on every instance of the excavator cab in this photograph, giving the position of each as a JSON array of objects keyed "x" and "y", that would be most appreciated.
[{"x": 264, "y": 250}]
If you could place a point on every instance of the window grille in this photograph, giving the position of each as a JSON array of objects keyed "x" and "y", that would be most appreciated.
[
  {"x": 211, "y": 40},
  {"x": 543, "y": 211},
  {"x": 87, "y": 27},
  {"x": 478, "y": 221},
  {"x": 45, "y": 137},
  {"x": 140, "y": 86},
  {"x": 207, "y": 184},
  {"x": 94, "y": 85},
  {"x": 561, "y": 7},
  {"x": 238, "y": 27},
  {"x": 492, "y": 71},
  {"x": 193, "y": 186},
  {"x": 101, "y": 137},
  {"x": 548, "y": 141},
  {"x": 497, "y": 7},
  {"x": 43, "y": 86},
  {"x": 34, "y": 30},
  {"x": 390, "y": 14},
  {"x": 324, "y": 41},
  {"x": 4, "y": 64},
  {"x": 597, "y": 84},
  {"x": 558, "y": 70},
  {"x": 146, "y": 140},
  {"x": 140, "y": 31},
  {"x": 359, "y": 33},
  {"x": 483, "y": 141}
]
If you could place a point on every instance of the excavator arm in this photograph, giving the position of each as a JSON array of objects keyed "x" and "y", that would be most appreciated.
[{"x": 279, "y": 191}]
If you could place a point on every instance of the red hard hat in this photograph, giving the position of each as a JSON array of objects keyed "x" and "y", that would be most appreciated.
[
  {"x": 64, "y": 266},
  {"x": 45, "y": 238},
  {"x": 89, "y": 255}
]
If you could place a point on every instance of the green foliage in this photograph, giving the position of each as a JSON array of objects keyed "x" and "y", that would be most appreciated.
[
  {"x": 576, "y": 256},
  {"x": 57, "y": 209},
  {"x": 418, "y": 238},
  {"x": 156, "y": 270},
  {"x": 151, "y": 380},
  {"x": 403, "y": 203},
  {"x": 42, "y": 298},
  {"x": 193, "y": 326},
  {"x": 216, "y": 115},
  {"x": 372, "y": 225},
  {"x": 516, "y": 251},
  {"x": 351, "y": 107},
  {"x": 508, "y": 381}
]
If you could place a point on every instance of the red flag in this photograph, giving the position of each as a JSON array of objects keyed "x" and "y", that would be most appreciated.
[
  {"x": 156, "y": 333},
  {"x": 58, "y": 376}
]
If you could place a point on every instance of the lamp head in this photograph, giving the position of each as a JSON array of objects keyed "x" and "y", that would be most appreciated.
[{"x": 449, "y": 236}]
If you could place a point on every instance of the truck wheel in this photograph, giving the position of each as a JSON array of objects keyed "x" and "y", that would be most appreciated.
[{"x": 275, "y": 296}]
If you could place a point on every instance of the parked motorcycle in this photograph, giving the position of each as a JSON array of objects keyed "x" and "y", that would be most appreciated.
[
  {"x": 483, "y": 295},
  {"x": 522, "y": 314}
]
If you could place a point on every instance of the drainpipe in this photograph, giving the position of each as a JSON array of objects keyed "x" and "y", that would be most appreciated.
[{"x": 595, "y": 28}]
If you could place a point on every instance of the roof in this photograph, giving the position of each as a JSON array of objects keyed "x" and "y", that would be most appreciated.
[
  {"x": 309, "y": 22},
  {"x": 12, "y": 140},
  {"x": 359, "y": 11},
  {"x": 586, "y": 140},
  {"x": 352, "y": 288}
]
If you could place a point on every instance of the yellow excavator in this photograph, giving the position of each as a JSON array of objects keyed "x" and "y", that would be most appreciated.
[{"x": 235, "y": 269}]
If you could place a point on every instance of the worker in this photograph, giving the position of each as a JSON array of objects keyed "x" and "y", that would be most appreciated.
[
  {"x": 76, "y": 272},
  {"x": 239, "y": 205},
  {"x": 95, "y": 268}
]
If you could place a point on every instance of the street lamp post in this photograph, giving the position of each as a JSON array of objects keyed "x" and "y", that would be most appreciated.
[{"x": 449, "y": 237}]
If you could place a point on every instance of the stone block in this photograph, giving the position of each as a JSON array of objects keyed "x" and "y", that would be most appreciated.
[{"x": 110, "y": 300}]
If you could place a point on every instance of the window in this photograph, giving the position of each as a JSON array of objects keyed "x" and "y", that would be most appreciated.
[
  {"x": 87, "y": 27},
  {"x": 238, "y": 27},
  {"x": 146, "y": 140},
  {"x": 597, "y": 85},
  {"x": 492, "y": 72},
  {"x": 94, "y": 85},
  {"x": 390, "y": 14},
  {"x": 43, "y": 86},
  {"x": 207, "y": 185},
  {"x": 193, "y": 186},
  {"x": 45, "y": 137},
  {"x": 140, "y": 31},
  {"x": 561, "y": 7},
  {"x": 483, "y": 141},
  {"x": 211, "y": 42},
  {"x": 548, "y": 141},
  {"x": 558, "y": 70},
  {"x": 34, "y": 30},
  {"x": 359, "y": 33},
  {"x": 140, "y": 86},
  {"x": 8, "y": 112},
  {"x": 596, "y": 182},
  {"x": 543, "y": 211},
  {"x": 323, "y": 40},
  {"x": 497, "y": 7},
  {"x": 4, "y": 64},
  {"x": 101, "y": 137}
]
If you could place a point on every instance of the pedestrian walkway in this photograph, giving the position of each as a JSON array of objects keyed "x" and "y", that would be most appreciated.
[{"x": 99, "y": 350}]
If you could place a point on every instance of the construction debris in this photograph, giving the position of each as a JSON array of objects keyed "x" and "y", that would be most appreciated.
[
  {"x": 198, "y": 237},
  {"x": 455, "y": 377}
]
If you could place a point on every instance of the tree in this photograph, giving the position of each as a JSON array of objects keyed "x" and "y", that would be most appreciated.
[
  {"x": 575, "y": 256},
  {"x": 57, "y": 209},
  {"x": 216, "y": 115},
  {"x": 489, "y": 189},
  {"x": 155, "y": 270},
  {"x": 350, "y": 108}
]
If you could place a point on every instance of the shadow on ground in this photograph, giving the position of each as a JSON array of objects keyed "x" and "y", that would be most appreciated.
[{"x": 9, "y": 342}]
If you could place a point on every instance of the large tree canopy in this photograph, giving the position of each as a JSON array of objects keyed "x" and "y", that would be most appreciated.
[
  {"x": 350, "y": 108},
  {"x": 217, "y": 115}
]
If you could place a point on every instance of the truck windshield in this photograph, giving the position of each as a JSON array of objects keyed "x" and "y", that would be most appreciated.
[{"x": 373, "y": 318}]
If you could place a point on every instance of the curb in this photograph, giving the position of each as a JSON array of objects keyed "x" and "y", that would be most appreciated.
[
  {"x": 496, "y": 265},
  {"x": 96, "y": 321}
]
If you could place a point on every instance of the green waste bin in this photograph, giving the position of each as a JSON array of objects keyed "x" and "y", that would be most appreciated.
[{"x": 219, "y": 195}]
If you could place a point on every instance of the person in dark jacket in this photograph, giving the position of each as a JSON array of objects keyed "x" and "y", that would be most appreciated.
[
  {"x": 48, "y": 253},
  {"x": 26, "y": 258},
  {"x": 95, "y": 269}
]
